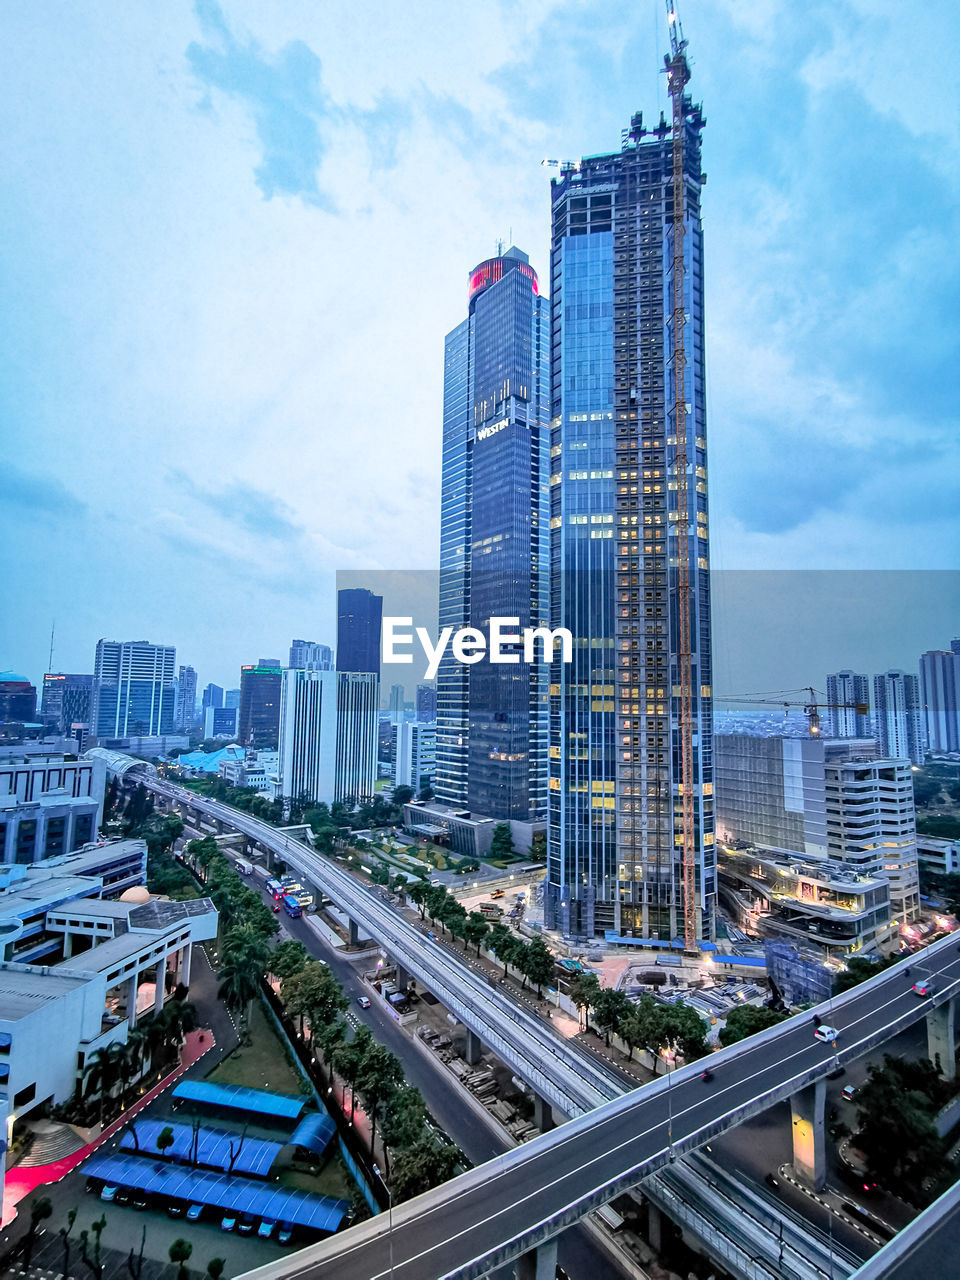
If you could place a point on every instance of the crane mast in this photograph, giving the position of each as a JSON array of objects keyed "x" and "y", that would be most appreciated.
[{"x": 678, "y": 75}]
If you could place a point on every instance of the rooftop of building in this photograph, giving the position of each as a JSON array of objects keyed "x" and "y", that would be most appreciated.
[
  {"x": 12, "y": 677},
  {"x": 24, "y": 989},
  {"x": 446, "y": 811}
]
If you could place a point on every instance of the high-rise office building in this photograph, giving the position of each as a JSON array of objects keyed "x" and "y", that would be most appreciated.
[
  {"x": 494, "y": 548},
  {"x": 231, "y": 697},
  {"x": 770, "y": 793},
  {"x": 359, "y": 614},
  {"x": 258, "y": 717},
  {"x": 413, "y": 753},
  {"x": 397, "y": 693},
  {"x": 846, "y": 692},
  {"x": 426, "y": 703},
  {"x": 632, "y": 714},
  {"x": 897, "y": 715},
  {"x": 186, "y": 711},
  {"x": 940, "y": 695},
  {"x": 65, "y": 700},
  {"x": 212, "y": 697},
  {"x": 18, "y": 699},
  {"x": 328, "y": 735},
  {"x": 134, "y": 689},
  {"x": 309, "y": 655}
]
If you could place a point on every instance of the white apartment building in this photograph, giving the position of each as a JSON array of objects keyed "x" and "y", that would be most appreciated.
[
  {"x": 413, "y": 753},
  {"x": 940, "y": 856}
]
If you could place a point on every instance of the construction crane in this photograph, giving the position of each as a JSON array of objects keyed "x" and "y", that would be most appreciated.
[
  {"x": 811, "y": 707},
  {"x": 678, "y": 76}
]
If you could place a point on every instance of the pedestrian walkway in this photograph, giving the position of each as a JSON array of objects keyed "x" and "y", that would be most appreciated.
[{"x": 22, "y": 1180}]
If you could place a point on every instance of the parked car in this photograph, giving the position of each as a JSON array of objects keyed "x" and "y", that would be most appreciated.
[
  {"x": 175, "y": 1209},
  {"x": 247, "y": 1223},
  {"x": 228, "y": 1222},
  {"x": 194, "y": 1212},
  {"x": 285, "y": 1234},
  {"x": 925, "y": 987},
  {"x": 140, "y": 1200},
  {"x": 825, "y": 1033},
  {"x": 265, "y": 1230},
  {"x": 108, "y": 1194}
]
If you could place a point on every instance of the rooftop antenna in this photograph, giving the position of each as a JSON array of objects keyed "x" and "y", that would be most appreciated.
[{"x": 53, "y": 628}]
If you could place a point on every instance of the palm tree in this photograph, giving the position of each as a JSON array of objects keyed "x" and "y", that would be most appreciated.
[
  {"x": 102, "y": 1071},
  {"x": 239, "y": 986}
]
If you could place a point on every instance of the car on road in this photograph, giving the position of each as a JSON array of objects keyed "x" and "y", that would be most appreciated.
[
  {"x": 363, "y": 1002},
  {"x": 706, "y": 1076},
  {"x": 194, "y": 1212},
  {"x": 825, "y": 1033},
  {"x": 228, "y": 1222},
  {"x": 925, "y": 987},
  {"x": 848, "y": 1092}
]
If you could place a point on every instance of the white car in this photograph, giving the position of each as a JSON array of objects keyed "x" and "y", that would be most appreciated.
[
  {"x": 825, "y": 1033},
  {"x": 925, "y": 987}
]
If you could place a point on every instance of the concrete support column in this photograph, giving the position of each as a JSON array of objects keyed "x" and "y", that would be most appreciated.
[
  {"x": 160, "y": 974},
  {"x": 186, "y": 955},
  {"x": 132, "y": 1001},
  {"x": 354, "y": 937},
  {"x": 67, "y": 945},
  {"x": 942, "y": 1040},
  {"x": 809, "y": 1140},
  {"x": 402, "y": 979},
  {"x": 472, "y": 1049},
  {"x": 654, "y": 1228},
  {"x": 542, "y": 1114},
  {"x": 538, "y": 1264}
]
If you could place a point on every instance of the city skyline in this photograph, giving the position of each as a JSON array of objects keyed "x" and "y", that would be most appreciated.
[{"x": 258, "y": 118}]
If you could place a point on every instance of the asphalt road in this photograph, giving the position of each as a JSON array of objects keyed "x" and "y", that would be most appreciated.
[
  {"x": 443, "y": 1231},
  {"x": 480, "y": 1139}
]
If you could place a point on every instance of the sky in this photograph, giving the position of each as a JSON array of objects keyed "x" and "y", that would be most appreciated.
[{"x": 234, "y": 233}]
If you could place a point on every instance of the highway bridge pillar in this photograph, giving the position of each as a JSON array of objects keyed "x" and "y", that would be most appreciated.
[
  {"x": 809, "y": 1142},
  {"x": 654, "y": 1228},
  {"x": 542, "y": 1114},
  {"x": 942, "y": 1040},
  {"x": 354, "y": 938},
  {"x": 473, "y": 1048},
  {"x": 538, "y": 1264},
  {"x": 402, "y": 981}
]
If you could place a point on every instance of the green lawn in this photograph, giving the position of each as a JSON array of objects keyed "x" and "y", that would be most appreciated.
[{"x": 262, "y": 1064}]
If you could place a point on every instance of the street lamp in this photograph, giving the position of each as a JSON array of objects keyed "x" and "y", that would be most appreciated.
[{"x": 383, "y": 1183}]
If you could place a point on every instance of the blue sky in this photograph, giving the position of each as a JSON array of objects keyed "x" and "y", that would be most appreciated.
[{"x": 234, "y": 234}]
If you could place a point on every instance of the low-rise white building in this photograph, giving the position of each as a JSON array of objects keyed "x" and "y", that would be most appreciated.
[{"x": 940, "y": 856}]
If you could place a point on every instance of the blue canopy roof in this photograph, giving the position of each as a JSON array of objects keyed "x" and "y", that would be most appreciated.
[
  {"x": 221, "y": 1191},
  {"x": 215, "y": 1147},
  {"x": 314, "y": 1132},
  {"x": 260, "y": 1102}
]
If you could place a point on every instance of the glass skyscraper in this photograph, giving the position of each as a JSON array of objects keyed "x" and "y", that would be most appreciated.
[
  {"x": 494, "y": 548},
  {"x": 615, "y": 839},
  {"x": 359, "y": 615},
  {"x": 134, "y": 689}
]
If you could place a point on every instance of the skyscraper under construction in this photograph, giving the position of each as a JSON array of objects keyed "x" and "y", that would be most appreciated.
[{"x": 631, "y": 828}]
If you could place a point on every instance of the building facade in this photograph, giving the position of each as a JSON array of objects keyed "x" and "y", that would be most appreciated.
[
  {"x": 186, "y": 712},
  {"x": 846, "y": 690},
  {"x": 413, "y": 753},
  {"x": 212, "y": 697},
  {"x": 770, "y": 792},
  {"x": 134, "y": 690},
  {"x": 18, "y": 699},
  {"x": 494, "y": 547},
  {"x": 258, "y": 716},
  {"x": 616, "y": 841},
  {"x": 49, "y": 805},
  {"x": 898, "y": 718},
  {"x": 65, "y": 700},
  {"x": 359, "y": 615},
  {"x": 309, "y": 655},
  {"x": 220, "y": 722},
  {"x": 426, "y": 702},
  {"x": 940, "y": 698},
  {"x": 328, "y": 735},
  {"x": 358, "y": 706}
]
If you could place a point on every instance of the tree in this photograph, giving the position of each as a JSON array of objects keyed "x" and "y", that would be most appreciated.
[
  {"x": 380, "y": 1075},
  {"x": 476, "y": 929},
  {"x": 93, "y": 1256},
  {"x": 687, "y": 1031},
  {"x": 583, "y": 992},
  {"x": 40, "y": 1209},
  {"x": 315, "y": 996},
  {"x": 180, "y": 1252},
  {"x": 422, "y": 1166},
  {"x": 538, "y": 964},
  {"x": 165, "y": 1139},
  {"x": 747, "y": 1020},
  {"x": 289, "y": 958},
  {"x": 419, "y": 893},
  {"x": 633, "y": 1031},
  {"x": 402, "y": 795},
  {"x": 859, "y": 969},
  {"x": 501, "y": 942},
  {"x": 135, "y": 1261},
  {"x": 404, "y": 1119},
  {"x": 240, "y": 985},
  {"x": 436, "y": 900},
  {"x": 454, "y": 917},
  {"x": 501, "y": 846},
  {"x": 349, "y": 1059},
  {"x": 64, "y": 1234},
  {"x": 380, "y": 875},
  {"x": 102, "y": 1072},
  {"x": 215, "y": 1268},
  {"x": 896, "y": 1117},
  {"x": 609, "y": 1011}
]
